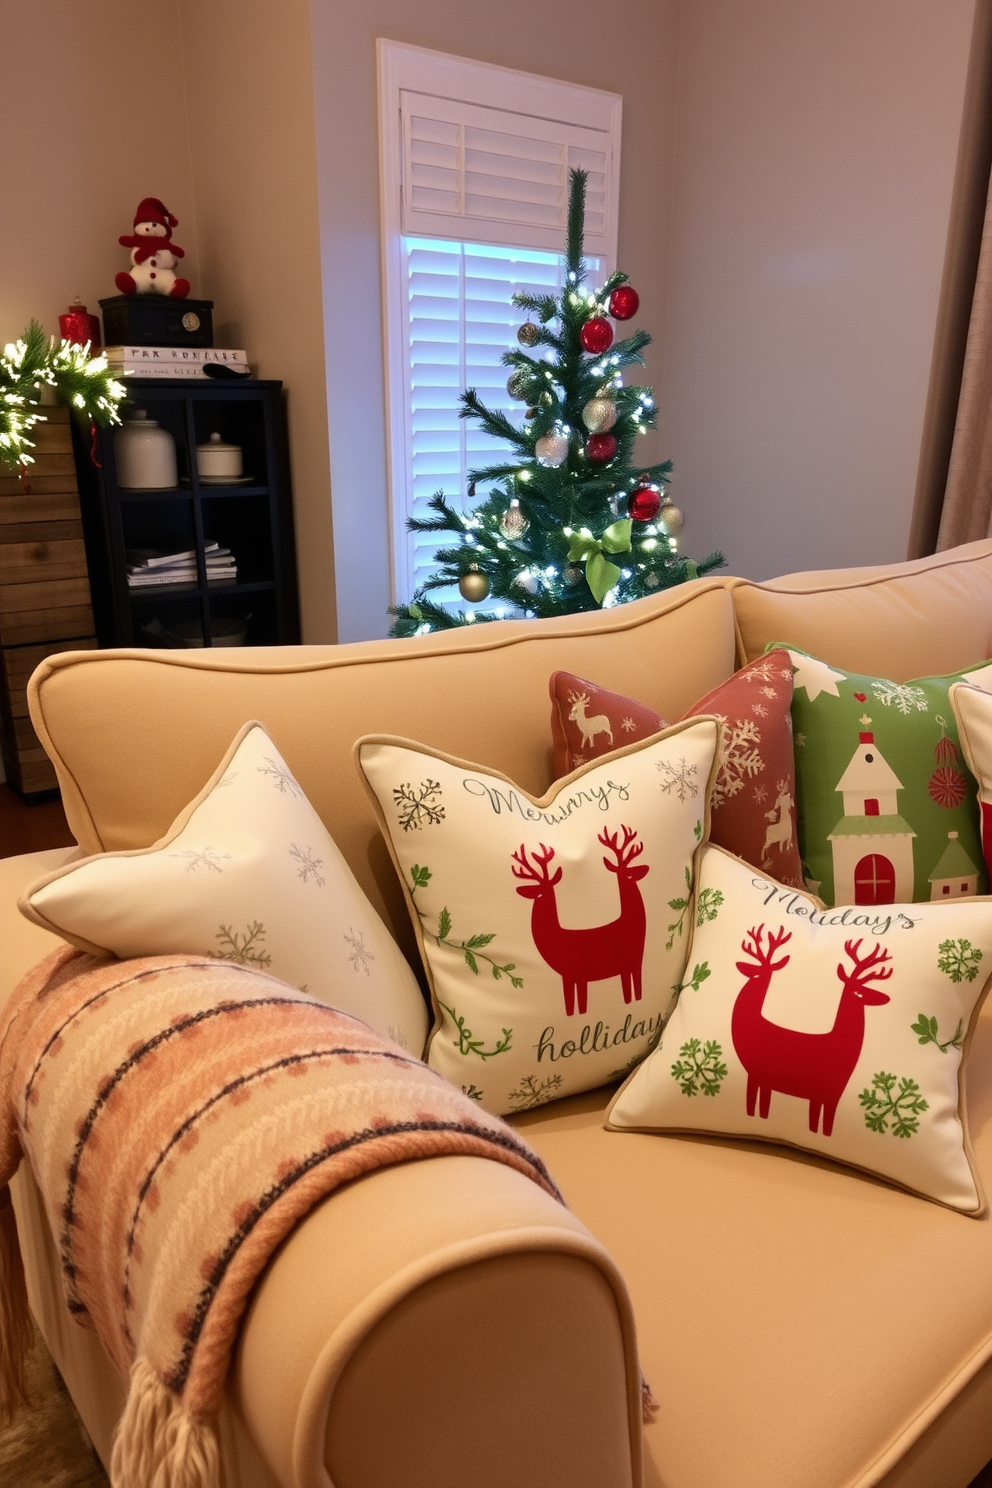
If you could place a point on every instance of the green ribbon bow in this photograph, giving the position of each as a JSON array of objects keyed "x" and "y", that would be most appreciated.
[{"x": 601, "y": 574}]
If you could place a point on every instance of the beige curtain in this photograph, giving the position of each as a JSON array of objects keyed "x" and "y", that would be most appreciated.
[
  {"x": 967, "y": 507},
  {"x": 954, "y": 485}
]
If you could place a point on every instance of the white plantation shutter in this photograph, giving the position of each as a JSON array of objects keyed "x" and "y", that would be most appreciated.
[
  {"x": 459, "y": 321},
  {"x": 474, "y": 166},
  {"x": 484, "y": 173}
]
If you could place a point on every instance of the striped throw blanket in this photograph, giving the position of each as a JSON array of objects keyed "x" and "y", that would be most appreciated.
[{"x": 180, "y": 1115}]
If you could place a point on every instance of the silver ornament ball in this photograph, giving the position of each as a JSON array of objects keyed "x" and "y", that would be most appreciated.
[
  {"x": 599, "y": 415},
  {"x": 513, "y": 524},
  {"x": 516, "y": 385},
  {"x": 551, "y": 450},
  {"x": 670, "y": 520},
  {"x": 572, "y": 574},
  {"x": 527, "y": 581}
]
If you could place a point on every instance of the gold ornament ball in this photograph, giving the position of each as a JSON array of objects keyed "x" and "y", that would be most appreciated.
[
  {"x": 551, "y": 450},
  {"x": 516, "y": 385},
  {"x": 670, "y": 520},
  {"x": 599, "y": 415},
  {"x": 474, "y": 585},
  {"x": 513, "y": 524},
  {"x": 528, "y": 333}
]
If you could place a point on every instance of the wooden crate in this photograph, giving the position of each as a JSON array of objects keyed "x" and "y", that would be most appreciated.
[{"x": 44, "y": 591}]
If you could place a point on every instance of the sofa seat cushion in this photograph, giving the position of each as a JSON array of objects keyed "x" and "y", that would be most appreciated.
[{"x": 798, "y": 1324}]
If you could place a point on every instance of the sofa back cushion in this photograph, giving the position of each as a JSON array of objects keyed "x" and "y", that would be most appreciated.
[
  {"x": 924, "y": 618},
  {"x": 135, "y": 734}
]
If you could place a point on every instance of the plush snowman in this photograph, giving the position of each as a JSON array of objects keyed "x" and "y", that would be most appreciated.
[{"x": 153, "y": 253}]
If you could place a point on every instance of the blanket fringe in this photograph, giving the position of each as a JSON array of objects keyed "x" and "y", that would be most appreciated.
[
  {"x": 158, "y": 1444},
  {"x": 16, "y": 1331}
]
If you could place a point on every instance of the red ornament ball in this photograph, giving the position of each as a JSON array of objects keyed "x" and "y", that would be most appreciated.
[
  {"x": 644, "y": 504},
  {"x": 596, "y": 335},
  {"x": 624, "y": 302},
  {"x": 600, "y": 448}
]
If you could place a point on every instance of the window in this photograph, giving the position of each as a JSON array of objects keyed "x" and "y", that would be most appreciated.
[{"x": 474, "y": 169}]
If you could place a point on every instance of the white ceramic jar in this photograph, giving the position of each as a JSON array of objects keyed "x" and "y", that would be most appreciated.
[
  {"x": 145, "y": 455},
  {"x": 217, "y": 461}
]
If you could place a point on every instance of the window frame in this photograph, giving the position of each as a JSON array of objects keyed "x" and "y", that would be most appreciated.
[{"x": 457, "y": 80}]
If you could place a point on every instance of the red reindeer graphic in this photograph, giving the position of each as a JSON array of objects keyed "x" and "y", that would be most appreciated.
[
  {"x": 813, "y": 1066},
  {"x": 592, "y": 955}
]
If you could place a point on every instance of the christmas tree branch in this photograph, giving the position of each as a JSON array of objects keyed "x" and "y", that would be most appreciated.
[
  {"x": 545, "y": 307},
  {"x": 575, "y": 231}
]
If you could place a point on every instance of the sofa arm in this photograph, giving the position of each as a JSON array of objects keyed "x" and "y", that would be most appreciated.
[{"x": 436, "y": 1324}]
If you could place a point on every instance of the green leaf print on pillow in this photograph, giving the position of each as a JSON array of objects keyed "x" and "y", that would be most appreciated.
[
  {"x": 700, "y": 1069},
  {"x": 882, "y": 1103},
  {"x": 959, "y": 960}
]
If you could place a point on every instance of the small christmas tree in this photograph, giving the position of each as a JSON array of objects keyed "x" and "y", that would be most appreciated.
[{"x": 571, "y": 523}]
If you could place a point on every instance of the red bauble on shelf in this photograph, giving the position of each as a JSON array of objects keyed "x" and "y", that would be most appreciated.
[
  {"x": 600, "y": 448},
  {"x": 596, "y": 335},
  {"x": 624, "y": 302},
  {"x": 644, "y": 504},
  {"x": 78, "y": 326}
]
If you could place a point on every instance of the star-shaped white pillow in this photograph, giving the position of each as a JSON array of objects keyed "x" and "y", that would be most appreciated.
[{"x": 247, "y": 873}]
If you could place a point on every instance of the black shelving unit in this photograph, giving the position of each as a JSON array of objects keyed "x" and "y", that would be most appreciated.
[{"x": 252, "y": 516}]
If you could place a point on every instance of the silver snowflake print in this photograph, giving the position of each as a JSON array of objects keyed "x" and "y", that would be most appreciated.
[
  {"x": 759, "y": 710},
  {"x": 281, "y": 775},
  {"x": 759, "y": 795},
  {"x": 204, "y": 857},
  {"x": 770, "y": 692},
  {"x": 307, "y": 866},
  {"x": 628, "y": 725},
  {"x": 761, "y": 671},
  {"x": 739, "y": 758},
  {"x": 418, "y": 805},
  {"x": 679, "y": 779},
  {"x": 901, "y": 696},
  {"x": 800, "y": 741},
  {"x": 360, "y": 955}
]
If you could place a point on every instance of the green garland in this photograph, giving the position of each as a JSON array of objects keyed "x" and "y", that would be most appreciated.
[{"x": 35, "y": 361}]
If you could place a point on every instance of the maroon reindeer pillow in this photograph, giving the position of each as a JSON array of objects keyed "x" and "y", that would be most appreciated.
[
  {"x": 754, "y": 795},
  {"x": 840, "y": 1031},
  {"x": 553, "y": 930}
]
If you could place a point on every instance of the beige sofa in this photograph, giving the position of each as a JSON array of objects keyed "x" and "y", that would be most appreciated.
[{"x": 445, "y": 1323}]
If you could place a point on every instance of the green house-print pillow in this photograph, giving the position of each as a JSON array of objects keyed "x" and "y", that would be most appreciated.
[{"x": 887, "y": 809}]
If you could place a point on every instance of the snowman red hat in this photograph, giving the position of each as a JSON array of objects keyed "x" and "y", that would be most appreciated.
[{"x": 153, "y": 253}]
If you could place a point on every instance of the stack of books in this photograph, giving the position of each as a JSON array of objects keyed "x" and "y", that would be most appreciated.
[
  {"x": 173, "y": 361},
  {"x": 148, "y": 568}
]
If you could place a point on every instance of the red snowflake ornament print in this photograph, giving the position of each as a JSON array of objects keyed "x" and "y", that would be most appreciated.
[{"x": 947, "y": 785}]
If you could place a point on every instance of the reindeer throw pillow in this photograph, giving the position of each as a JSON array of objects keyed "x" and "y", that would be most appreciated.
[
  {"x": 754, "y": 795},
  {"x": 553, "y": 931},
  {"x": 247, "y": 873},
  {"x": 886, "y": 804},
  {"x": 843, "y": 1031}
]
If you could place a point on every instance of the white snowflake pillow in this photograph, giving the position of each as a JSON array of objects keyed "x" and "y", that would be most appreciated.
[
  {"x": 553, "y": 931},
  {"x": 841, "y": 1031},
  {"x": 246, "y": 873}
]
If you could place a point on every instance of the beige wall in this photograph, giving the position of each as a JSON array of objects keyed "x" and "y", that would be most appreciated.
[
  {"x": 815, "y": 158},
  {"x": 73, "y": 167},
  {"x": 221, "y": 128},
  {"x": 632, "y": 53},
  {"x": 249, "y": 93}
]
